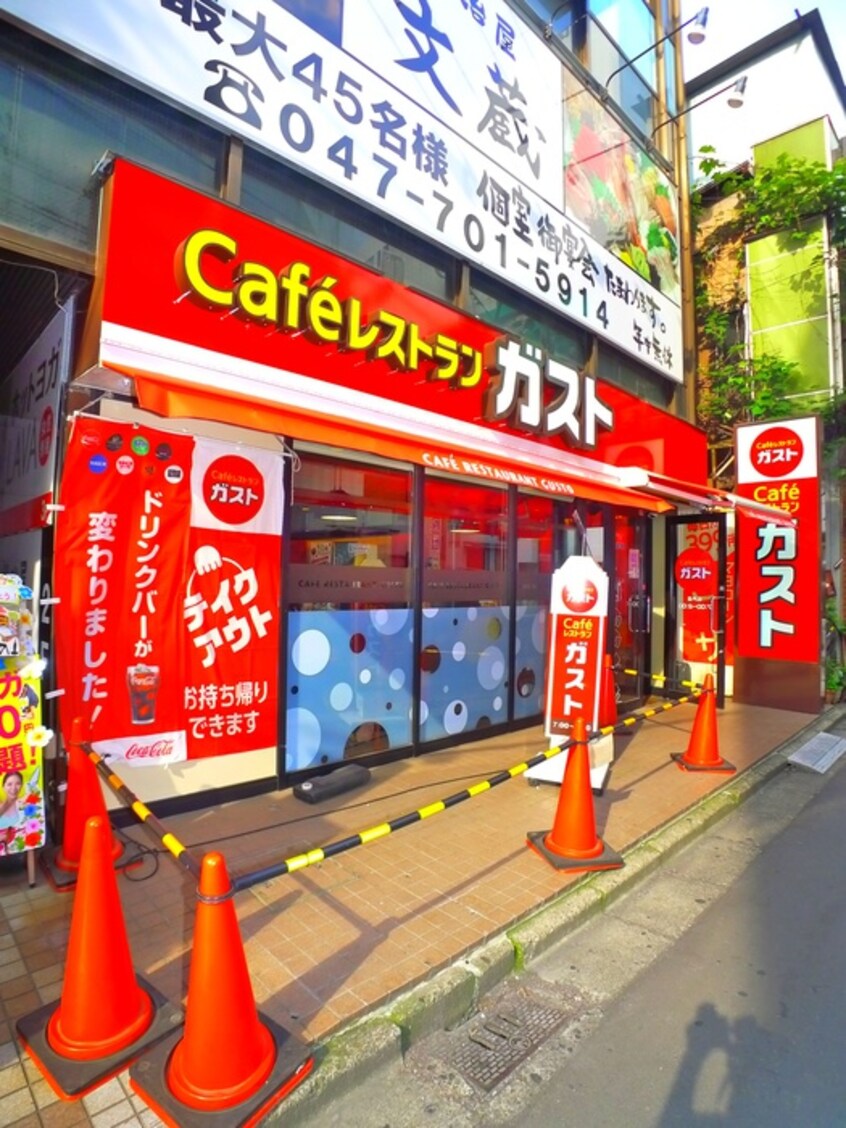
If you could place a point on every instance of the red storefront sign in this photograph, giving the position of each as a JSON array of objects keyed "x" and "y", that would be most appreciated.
[
  {"x": 578, "y": 620},
  {"x": 696, "y": 575},
  {"x": 779, "y": 606},
  {"x": 225, "y": 306},
  {"x": 167, "y": 553}
]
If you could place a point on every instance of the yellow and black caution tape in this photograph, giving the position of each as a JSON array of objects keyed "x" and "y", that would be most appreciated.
[
  {"x": 644, "y": 714},
  {"x": 311, "y": 857},
  {"x": 363, "y": 837},
  {"x": 321, "y": 853},
  {"x": 662, "y": 678},
  {"x": 168, "y": 840}
]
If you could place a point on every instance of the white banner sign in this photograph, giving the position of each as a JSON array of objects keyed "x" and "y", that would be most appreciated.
[
  {"x": 29, "y": 425},
  {"x": 446, "y": 116}
]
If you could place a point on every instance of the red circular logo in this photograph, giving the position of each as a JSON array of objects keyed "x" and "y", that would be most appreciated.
[
  {"x": 45, "y": 435},
  {"x": 696, "y": 572},
  {"x": 776, "y": 452},
  {"x": 233, "y": 489},
  {"x": 580, "y": 598}
]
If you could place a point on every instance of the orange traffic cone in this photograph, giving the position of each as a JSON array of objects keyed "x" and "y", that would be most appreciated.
[
  {"x": 106, "y": 1014},
  {"x": 607, "y": 694},
  {"x": 231, "y": 1065},
  {"x": 573, "y": 843},
  {"x": 702, "y": 753},
  {"x": 84, "y": 801}
]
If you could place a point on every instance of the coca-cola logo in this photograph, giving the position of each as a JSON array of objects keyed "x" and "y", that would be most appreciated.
[{"x": 155, "y": 751}]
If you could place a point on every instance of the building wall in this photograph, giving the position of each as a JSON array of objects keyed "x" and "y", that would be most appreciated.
[
  {"x": 617, "y": 219},
  {"x": 796, "y": 67}
]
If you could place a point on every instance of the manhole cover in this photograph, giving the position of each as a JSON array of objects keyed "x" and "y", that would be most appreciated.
[{"x": 496, "y": 1042}]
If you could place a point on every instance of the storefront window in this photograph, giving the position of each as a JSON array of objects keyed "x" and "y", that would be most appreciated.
[
  {"x": 510, "y": 311},
  {"x": 349, "y": 675},
  {"x": 58, "y": 118},
  {"x": 465, "y": 635},
  {"x": 286, "y": 199},
  {"x": 535, "y": 565}
]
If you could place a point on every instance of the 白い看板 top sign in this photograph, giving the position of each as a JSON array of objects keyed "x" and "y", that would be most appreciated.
[{"x": 443, "y": 116}]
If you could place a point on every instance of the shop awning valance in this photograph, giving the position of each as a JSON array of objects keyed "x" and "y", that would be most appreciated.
[
  {"x": 177, "y": 380},
  {"x": 707, "y": 499}
]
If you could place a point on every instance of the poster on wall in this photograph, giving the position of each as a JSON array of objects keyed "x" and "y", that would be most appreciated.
[
  {"x": 779, "y": 563},
  {"x": 167, "y": 572},
  {"x": 620, "y": 195},
  {"x": 697, "y": 576},
  {"x": 22, "y": 735},
  {"x": 29, "y": 420}
]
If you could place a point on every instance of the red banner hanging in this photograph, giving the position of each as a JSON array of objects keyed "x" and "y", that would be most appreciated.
[
  {"x": 779, "y": 608},
  {"x": 167, "y": 569}
]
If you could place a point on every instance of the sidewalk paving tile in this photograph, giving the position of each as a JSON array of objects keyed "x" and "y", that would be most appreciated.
[{"x": 331, "y": 942}]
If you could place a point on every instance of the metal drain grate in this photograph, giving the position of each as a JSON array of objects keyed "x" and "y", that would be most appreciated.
[
  {"x": 497, "y": 1042},
  {"x": 820, "y": 752}
]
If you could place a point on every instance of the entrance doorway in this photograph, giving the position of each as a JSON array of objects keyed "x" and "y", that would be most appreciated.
[
  {"x": 697, "y": 604},
  {"x": 631, "y": 608},
  {"x": 618, "y": 540}
]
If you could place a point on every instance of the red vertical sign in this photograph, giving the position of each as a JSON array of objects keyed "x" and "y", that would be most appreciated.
[
  {"x": 578, "y": 618},
  {"x": 167, "y": 571},
  {"x": 778, "y": 612},
  {"x": 231, "y": 601}
]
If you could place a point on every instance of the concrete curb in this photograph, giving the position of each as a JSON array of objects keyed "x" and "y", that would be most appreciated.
[{"x": 452, "y": 995}]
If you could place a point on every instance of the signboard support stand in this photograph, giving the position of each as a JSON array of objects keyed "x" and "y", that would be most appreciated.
[{"x": 552, "y": 770}]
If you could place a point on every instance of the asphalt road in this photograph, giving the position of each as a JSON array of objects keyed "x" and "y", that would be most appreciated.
[{"x": 711, "y": 994}]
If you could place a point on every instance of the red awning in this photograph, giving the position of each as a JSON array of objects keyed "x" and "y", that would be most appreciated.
[
  {"x": 179, "y": 381},
  {"x": 707, "y": 499},
  {"x": 551, "y": 472}
]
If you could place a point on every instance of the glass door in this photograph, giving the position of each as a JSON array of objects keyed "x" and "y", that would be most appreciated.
[
  {"x": 631, "y": 608},
  {"x": 698, "y": 611}
]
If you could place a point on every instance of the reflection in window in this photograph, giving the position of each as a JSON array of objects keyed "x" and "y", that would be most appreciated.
[
  {"x": 510, "y": 311},
  {"x": 629, "y": 28},
  {"x": 58, "y": 118},
  {"x": 349, "y": 658},
  {"x": 289, "y": 200},
  {"x": 466, "y": 624},
  {"x": 349, "y": 514},
  {"x": 617, "y": 368},
  {"x": 464, "y": 532}
]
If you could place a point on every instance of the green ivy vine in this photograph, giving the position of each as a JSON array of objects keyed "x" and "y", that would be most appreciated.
[{"x": 778, "y": 198}]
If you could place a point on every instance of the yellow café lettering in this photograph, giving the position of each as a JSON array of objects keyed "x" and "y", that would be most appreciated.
[
  {"x": 783, "y": 496},
  {"x": 571, "y": 623},
  {"x": 293, "y": 301},
  {"x": 188, "y": 264}
]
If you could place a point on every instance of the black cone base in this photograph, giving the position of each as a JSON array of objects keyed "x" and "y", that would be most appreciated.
[
  {"x": 719, "y": 766},
  {"x": 148, "y": 1078},
  {"x": 70, "y": 1078},
  {"x": 64, "y": 881},
  {"x": 608, "y": 859}
]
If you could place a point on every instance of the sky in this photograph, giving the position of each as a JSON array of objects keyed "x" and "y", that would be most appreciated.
[{"x": 734, "y": 24}]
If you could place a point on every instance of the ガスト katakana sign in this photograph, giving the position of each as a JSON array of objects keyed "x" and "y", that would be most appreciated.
[
  {"x": 578, "y": 618},
  {"x": 167, "y": 569},
  {"x": 779, "y": 611}
]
